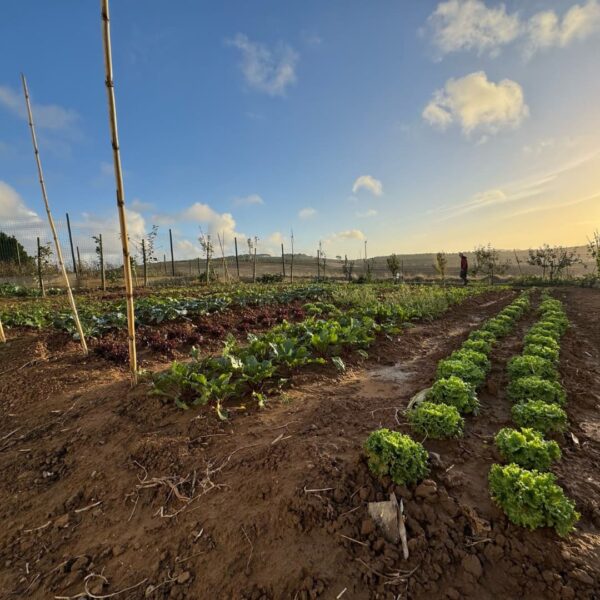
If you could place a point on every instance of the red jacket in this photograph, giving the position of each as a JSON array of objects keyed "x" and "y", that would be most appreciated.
[{"x": 464, "y": 265}]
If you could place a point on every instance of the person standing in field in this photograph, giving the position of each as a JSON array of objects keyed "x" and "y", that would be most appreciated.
[{"x": 464, "y": 268}]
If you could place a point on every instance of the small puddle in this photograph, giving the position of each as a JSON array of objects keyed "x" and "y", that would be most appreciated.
[{"x": 397, "y": 373}]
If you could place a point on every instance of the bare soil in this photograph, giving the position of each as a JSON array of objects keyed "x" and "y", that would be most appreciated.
[{"x": 105, "y": 486}]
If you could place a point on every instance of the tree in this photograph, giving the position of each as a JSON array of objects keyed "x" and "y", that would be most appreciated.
[
  {"x": 441, "y": 261},
  {"x": 207, "y": 247},
  {"x": 487, "y": 262},
  {"x": 12, "y": 251},
  {"x": 593, "y": 249},
  {"x": 348, "y": 268},
  {"x": 393, "y": 265},
  {"x": 553, "y": 259}
]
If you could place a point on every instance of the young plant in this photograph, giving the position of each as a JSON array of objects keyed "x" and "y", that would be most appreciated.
[
  {"x": 477, "y": 358},
  {"x": 533, "y": 387},
  {"x": 539, "y": 415},
  {"x": 522, "y": 366},
  {"x": 545, "y": 352},
  {"x": 527, "y": 448},
  {"x": 397, "y": 455},
  {"x": 478, "y": 345},
  {"x": 541, "y": 339},
  {"x": 464, "y": 369},
  {"x": 454, "y": 392},
  {"x": 532, "y": 499},
  {"x": 498, "y": 326},
  {"x": 482, "y": 334},
  {"x": 437, "y": 421}
]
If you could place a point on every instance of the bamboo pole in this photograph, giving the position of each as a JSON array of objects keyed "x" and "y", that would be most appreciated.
[
  {"x": 78, "y": 261},
  {"x": 292, "y": 260},
  {"x": 59, "y": 255},
  {"x": 112, "y": 112},
  {"x": 102, "y": 273},
  {"x": 2, "y": 336},
  {"x": 237, "y": 260},
  {"x": 71, "y": 244},
  {"x": 172, "y": 256},
  {"x": 39, "y": 269},
  {"x": 282, "y": 262},
  {"x": 145, "y": 264}
]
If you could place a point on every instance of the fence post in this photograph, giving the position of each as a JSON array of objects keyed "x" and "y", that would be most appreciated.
[
  {"x": 78, "y": 261},
  {"x": 18, "y": 254},
  {"x": 165, "y": 262},
  {"x": 172, "y": 258},
  {"x": 254, "y": 266},
  {"x": 237, "y": 260},
  {"x": 199, "y": 266},
  {"x": 318, "y": 265},
  {"x": 71, "y": 244},
  {"x": 145, "y": 264},
  {"x": 282, "y": 262},
  {"x": 208, "y": 262},
  {"x": 39, "y": 261},
  {"x": 102, "y": 274}
]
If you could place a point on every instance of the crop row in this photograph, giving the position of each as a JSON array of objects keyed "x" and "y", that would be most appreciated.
[
  {"x": 267, "y": 360},
  {"x": 453, "y": 394},
  {"x": 528, "y": 494}
]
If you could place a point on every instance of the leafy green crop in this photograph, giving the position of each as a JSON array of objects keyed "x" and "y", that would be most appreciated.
[
  {"x": 522, "y": 366},
  {"x": 464, "y": 369},
  {"x": 478, "y": 345},
  {"x": 534, "y": 387},
  {"x": 477, "y": 358},
  {"x": 498, "y": 326},
  {"x": 527, "y": 448},
  {"x": 454, "y": 392},
  {"x": 540, "y": 339},
  {"x": 539, "y": 415},
  {"x": 397, "y": 455},
  {"x": 481, "y": 334},
  {"x": 532, "y": 499},
  {"x": 437, "y": 421},
  {"x": 546, "y": 352}
]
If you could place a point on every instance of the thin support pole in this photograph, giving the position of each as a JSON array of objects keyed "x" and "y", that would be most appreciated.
[
  {"x": 518, "y": 262},
  {"x": 59, "y": 255},
  {"x": 78, "y": 261},
  {"x": 282, "y": 262},
  {"x": 237, "y": 259},
  {"x": 112, "y": 113},
  {"x": 165, "y": 263},
  {"x": 102, "y": 272},
  {"x": 292, "y": 260},
  {"x": 2, "y": 336},
  {"x": 71, "y": 244},
  {"x": 172, "y": 258},
  {"x": 208, "y": 247},
  {"x": 39, "y": 268},
  {"x": 18, "y": 254},
  {"x": 145, "y": 264},
  {"x": 254, "y": 266},
  {"x": 318, "y": 265}
]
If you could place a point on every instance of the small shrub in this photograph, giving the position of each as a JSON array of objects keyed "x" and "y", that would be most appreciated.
[
  {"x": 436, "y": 421},
  {"x": 477, "y": 345},
  {"x": 464, "y": 369},
  {"x": 539, "y": 415},
  {"x": 532, "y": 499},
  {"x": 454, "y": 392},
  {"x": 522, "y": 366},
  {"x": 527, "y": 448},
  {"x": 477, "y": 358},
  {"x": 397, "y": 455},
  {"x": 533, "y": 387},
  {"x": 546, "y": 352}
]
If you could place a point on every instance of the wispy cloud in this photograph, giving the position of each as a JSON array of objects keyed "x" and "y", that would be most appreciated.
[
  {"x": 268, "y": 70},
  {"x": 251, "y": 200},
  {"x": 307, "y": 213},
  {"x": 369, "y": 183},
  {"x": 13, "y": 207},
  {"x": 366, "y": 214},
  {"x": 552, "y": 206},
  {"x": 471, "y": 25}
]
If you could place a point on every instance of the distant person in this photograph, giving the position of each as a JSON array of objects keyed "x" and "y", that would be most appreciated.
[{"x": 464, "y": 268}]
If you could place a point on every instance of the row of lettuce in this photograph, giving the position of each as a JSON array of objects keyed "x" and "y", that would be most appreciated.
[
  {"x": 523, "y": 488},
  {"x": 265, "y": 362},
  {"x": 528, "y": 494},
  {"x": 441, "y": 413}
]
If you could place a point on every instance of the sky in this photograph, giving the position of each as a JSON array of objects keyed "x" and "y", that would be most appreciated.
[{"x": 416, "y": 126}]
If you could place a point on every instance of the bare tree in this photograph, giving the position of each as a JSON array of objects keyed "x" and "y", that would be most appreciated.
[
  {"x": 441, "y": 262},
  {"x": 487, "y": 262},
  {"x": 593, "y": 249}
]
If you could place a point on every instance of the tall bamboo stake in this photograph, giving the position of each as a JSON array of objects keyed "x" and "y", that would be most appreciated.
[
  {"x": 2, "y": 336},
  {"x": 237, "y": 260},
  {"x": 59, "y": 255},
  {"x": 112, "y": 113}
]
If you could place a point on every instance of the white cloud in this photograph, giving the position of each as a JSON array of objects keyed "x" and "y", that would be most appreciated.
[
  {"x": 546, "y": 29},
  {"x": 471, "y": 25},
  {"x": 140, "y": 206},
  {"x": 457, "y": 25},
  {"x": 13, "y": 208},
  {"x": 349, "y": 234},
  {"x": 275, "y": 238},
  {"x": 477, "y": 104},
  {"x": 185, "y": 249},
  {"x": 264, "y": 69},
  {"x": 307, "y": 213},
  {"x": 252, "y": 199},
  {"x": 368, "y": 213},
  {"x": 369, "y": 183},
  {"x": 45, "y": 116}
]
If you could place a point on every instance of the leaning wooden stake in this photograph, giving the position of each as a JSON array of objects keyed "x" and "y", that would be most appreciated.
[
  {"x": 2, "y": 336},
  {"x": 112, "y": 114},
  {"x": 59, "y": 255}
]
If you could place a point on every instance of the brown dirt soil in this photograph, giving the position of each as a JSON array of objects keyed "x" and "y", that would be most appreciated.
[{"x": 97, "y": 478}]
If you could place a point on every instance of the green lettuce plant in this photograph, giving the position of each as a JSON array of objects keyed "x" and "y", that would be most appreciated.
[
  {"x": 539, "y": 415},
  {"x": 455, "y": 392},
  {"x": 534, "y": 387},
  {"x": 464, "y": 369},
  {"x": 478, "y": 345},
  {"x": 522, "y": 366},
  {"x": 527, "y": 448},
  {"x": 532, "y": 499},
  {"x": 477, "y": 358},
  {"x": 546, "y": 352},
  {"x": 482, "y": 334},
  {"x": 397, "y": 455},
  {"x": 436, "y": 421}
]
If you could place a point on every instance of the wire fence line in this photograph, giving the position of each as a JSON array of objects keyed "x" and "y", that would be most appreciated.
[{"x": 93, "y": 257}]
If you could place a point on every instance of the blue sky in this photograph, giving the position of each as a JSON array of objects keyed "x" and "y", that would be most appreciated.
[{"x": 419, "y": 126}]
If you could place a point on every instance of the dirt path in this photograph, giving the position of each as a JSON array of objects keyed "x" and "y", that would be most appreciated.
[{"x": 96, "y": 483}]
